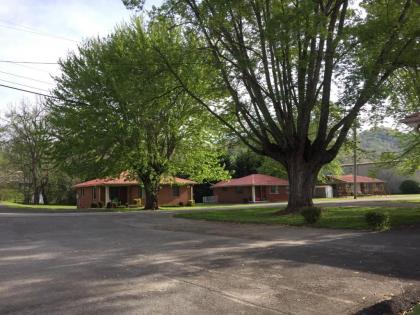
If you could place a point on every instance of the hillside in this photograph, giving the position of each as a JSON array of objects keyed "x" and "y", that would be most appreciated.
[
  {"x": 372, "y": 143},
  {"x": 379, "y": 140}
]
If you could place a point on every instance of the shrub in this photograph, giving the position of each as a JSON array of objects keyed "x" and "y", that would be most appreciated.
[
  {"x": 191, "y": 203},
  {"x": 94, "y": 205},
  {"x": 181, "y": 204},
  {"x": 111, "y": 204},
  {"x": 311, "y": 214},
  {"x": 377, "y": 220},
  {"x": 410, "y": 187},
  {"x": 100, "y": 205}
]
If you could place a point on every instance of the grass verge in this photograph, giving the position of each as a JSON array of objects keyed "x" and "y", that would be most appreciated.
[{"x": 332, "y": 217}]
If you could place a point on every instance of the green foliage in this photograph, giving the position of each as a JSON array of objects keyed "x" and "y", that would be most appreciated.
[
  {"x": 311, "y": 214},
  {"x": 377, "y": 220},
  {"x": 11, "y": 194},
  {"x": 279, "y": 61},
  {"x": 26, "y": 147},
  {"x": 198, "y": 156},
  {"x": 410, "y": 187},
  {"x": 407, "y": 160},
  {"x": 129, "y": 113}
]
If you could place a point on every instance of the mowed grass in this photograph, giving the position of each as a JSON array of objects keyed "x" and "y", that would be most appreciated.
[
  {"x": 24, "y": 206},
  {"x": 332, "y": 217}
]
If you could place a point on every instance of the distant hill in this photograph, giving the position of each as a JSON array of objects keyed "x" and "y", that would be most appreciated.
[
  {"x": 379, "y": 140},
  {"x": 372, "y": 143}
]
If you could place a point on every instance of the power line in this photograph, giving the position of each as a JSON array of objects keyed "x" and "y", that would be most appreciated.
[
  {"x": 41, "y": 94},
  {"x": 29, "y": 62},
  {"x": 33, "y": 31},
  {"x": 29, "y": 67},
  {"x": 24, "y": 77},
  {"x": 28, "y": 86}
]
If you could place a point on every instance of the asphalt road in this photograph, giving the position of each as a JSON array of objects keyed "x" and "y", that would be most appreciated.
[{"x": 152, "y": 263}]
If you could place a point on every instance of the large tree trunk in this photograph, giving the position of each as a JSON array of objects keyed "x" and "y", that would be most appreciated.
[
  {"x": 36, "y": 195},
  {"x": 151, "y": 189},
  {"x": 302, "y": 181}
]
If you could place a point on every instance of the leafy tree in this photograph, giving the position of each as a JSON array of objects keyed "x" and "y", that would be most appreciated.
[
  {"x": 26, "y": 143},
  {"x": 410, "y": 187},
  {"x": 404, "y": 91},
  {"x": 121, "y": 109},
  {"x": 280, "y": 60}
]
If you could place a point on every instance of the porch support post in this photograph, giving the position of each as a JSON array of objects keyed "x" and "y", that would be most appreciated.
[
  {"x": 107, "y": 195},
  {"x": 253, "y": 193},
  {"x": 192, "y": 192}
]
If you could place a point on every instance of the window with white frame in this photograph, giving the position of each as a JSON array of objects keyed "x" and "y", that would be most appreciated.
[
  {"x": 274, "y": 189},
  {"x": 93, "y": 193}
]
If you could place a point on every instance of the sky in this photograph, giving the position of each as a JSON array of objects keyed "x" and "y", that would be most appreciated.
[{"x": 44, "y": 31}]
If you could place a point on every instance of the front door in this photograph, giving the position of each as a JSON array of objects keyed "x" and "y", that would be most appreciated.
[{"x": 260, "y": 193}]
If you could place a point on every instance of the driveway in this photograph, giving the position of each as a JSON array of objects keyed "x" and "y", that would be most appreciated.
[{"x": 152, "y": 263}]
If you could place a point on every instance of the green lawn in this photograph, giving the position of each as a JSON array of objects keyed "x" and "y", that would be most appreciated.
[
  {"x": 20, "y": 205},
  {"x": 415, "y": 310},
  {"x": 62, "y": 208},
  {"x": 332, "y": 217},
  {"x": 415, "y": 197}
]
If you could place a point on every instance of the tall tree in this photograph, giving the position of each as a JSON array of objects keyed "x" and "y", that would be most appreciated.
[
  {"x": 404, "y": 90},
  {"x": 26, "y": 142},
  {"x": 285, "y": 64},
  {"x": 122, "y": 110}
]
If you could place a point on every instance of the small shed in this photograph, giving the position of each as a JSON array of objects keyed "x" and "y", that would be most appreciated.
[{"x": 323, "y": 191}]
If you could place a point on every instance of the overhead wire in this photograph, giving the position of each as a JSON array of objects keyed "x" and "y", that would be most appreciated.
[
  {"x": 25, "y": 85},
  {"x": 25, "y": 77},
  {"x": 34, "y": 31},
  {"x": 41, "y": 94}
]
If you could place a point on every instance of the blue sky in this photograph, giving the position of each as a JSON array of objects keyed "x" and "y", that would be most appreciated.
[{"x": 45, "y": 30}]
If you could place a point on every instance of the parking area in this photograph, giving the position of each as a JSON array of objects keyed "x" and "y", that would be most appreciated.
[{"x": 152, "y": 263}]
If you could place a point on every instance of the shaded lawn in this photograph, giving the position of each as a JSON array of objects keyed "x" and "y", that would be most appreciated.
[{"x": 332, "y": 217}]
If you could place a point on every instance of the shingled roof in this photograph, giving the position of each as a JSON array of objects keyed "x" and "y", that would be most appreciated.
[
  {"x": 125, "y": 180},
  {"x": 253, "y": 180},
  {"x": 359, "y": 179}
]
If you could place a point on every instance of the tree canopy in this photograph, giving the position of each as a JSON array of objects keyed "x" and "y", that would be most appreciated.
[
  {"x": 290, "y": 66},
  {"x": 122, "y": 110}
]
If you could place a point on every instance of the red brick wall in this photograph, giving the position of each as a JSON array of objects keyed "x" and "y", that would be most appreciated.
[
  {"x": 133, "y": 193},
  {"x": 230, "y": 194},
  {"x": 166, "y": 195},
  {"x": 283, "y": 194},
  {"x": 85, "y": 200}
]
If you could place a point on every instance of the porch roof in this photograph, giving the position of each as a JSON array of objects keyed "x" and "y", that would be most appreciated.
[{"x": 253, "y": 180}]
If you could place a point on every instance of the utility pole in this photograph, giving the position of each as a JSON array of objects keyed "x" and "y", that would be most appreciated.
[{"x": 355, "y": 160}]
